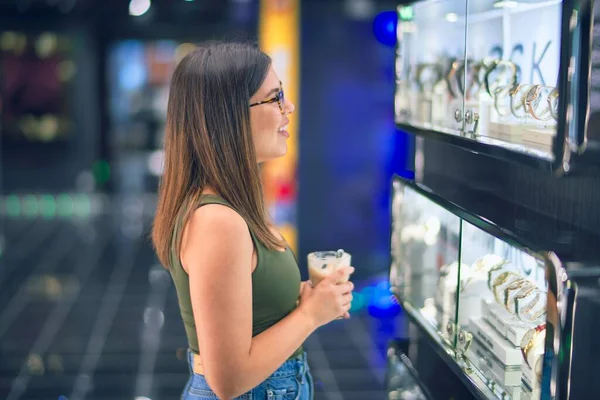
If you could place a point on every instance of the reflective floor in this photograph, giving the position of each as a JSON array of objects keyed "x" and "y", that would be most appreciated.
[{"x": 87, "y": 313}]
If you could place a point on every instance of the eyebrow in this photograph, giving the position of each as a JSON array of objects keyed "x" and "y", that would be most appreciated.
[{"x": 275, "y": 90}]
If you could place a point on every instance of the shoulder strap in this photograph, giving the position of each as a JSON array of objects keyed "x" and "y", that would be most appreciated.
[{"x": 212, "y": 199}]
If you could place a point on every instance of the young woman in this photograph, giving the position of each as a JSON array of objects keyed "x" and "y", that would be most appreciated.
[{"x": 245, "y": 311}]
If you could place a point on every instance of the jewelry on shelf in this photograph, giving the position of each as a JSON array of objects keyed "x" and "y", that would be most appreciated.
[
  {"x": 533, "y": 339},
  {"x": 534, "y": 98},
  {"x": 451, "y": 78},
  {"x": 468, "y": 77},
  {"x": 532, "y": 307},
  {"x": 500, "y": 73},
  {"x": 502, "y": 93},
  {"x": 426, "y": 76},
  {"x": 480, "y": 69},
  {"x": 501, "y": 282},
  {"x": 465, "y": 338},
  {"x": 524, "y": 289},
  {"x": 489, "y": 262},
  {"x": 517, "y": 100},
  {"x": 481, "y": 268},
  {"x": 516, "y": 284},
  {"x": 553, "y": 103},
  {"x": 497, "y": 267}
]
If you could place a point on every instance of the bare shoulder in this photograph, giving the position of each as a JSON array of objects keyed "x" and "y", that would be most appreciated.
[
  {"x": 218, "y": 219},
  {"x": 214, "y": 230}
]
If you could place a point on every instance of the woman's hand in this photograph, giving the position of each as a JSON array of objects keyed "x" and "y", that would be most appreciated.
[
  {"x": 329, "y": 299},
  {"x": 302, "y": 284}
]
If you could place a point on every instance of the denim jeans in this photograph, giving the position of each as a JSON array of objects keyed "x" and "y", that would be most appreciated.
[{"x": 291, "y": 381}]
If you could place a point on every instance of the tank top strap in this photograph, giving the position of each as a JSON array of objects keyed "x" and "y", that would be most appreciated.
[
  {"x": 216, "y": 199},
  {"x": 212, "y": 199}
]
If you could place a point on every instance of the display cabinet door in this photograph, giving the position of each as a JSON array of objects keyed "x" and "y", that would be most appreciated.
[
  {"x": 513, "y": 58},
  {"x": 425, "y": 252},
  {"x": 581, "y": 51},
  {"x": 430, "y": 66},
  {"x": 576, "y": 323}
]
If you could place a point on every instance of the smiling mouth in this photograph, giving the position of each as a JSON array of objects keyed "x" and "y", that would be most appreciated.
[{"x": 283, "y": 128}]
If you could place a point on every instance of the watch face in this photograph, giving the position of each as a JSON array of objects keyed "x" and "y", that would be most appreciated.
[
  {"x": 530, "y": 336},
  {"x": 527, "y": 338}
]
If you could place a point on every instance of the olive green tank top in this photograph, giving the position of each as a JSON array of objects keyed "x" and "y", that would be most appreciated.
[{"x": 275, "y": 284}]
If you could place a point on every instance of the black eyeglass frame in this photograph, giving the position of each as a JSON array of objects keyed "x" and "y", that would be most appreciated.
[{"x": 279, "y": 98}]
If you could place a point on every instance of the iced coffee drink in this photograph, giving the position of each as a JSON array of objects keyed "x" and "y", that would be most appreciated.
[{"x": 323, "y": 263}]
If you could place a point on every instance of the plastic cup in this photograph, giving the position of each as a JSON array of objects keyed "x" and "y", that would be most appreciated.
[{"x": 323, "y": 263}]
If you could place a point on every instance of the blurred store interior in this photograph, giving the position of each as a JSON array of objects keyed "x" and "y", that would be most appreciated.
[{"x": 86, "y": 311}]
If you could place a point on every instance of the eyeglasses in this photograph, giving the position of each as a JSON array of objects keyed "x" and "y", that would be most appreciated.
[{"x": 279, "y": 98}]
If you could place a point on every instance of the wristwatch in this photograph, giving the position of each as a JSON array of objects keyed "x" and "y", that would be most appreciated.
[
  {"x": 553, "y": 103},
  {"x": 502, "y": 282},
  {"x": 533, "y": 99},
  {"x": 517, "y": 290},
  {"x": 481, "y": 267},
  {"x": 532, "y": 342},
  {"x": 500, "y": 73},
  {"x": 491, "y": 272},
  {"x": 531, "y": 308},
  {"x": 452, "y": 79},
  {"x": 517, "y": 100},
  {"x": 427, "y": 75},
  {"x": 502, "y": 93}
]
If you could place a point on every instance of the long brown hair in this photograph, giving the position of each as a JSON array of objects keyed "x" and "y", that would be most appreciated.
[{"x": 208, "y": 141}]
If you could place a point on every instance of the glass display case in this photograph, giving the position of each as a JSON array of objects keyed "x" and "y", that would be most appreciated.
[
  {"x": 425, "y": 244},
  {"x": 429, "y": 90},
  {"x": 497, "y": 308},
  {"x": 402, "y": 381},
  {"x": 489, "y": 75}
]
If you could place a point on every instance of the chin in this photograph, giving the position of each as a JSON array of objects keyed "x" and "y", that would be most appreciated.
[
  {"x": 274, "y": 155},
  {"x": 283, "y": 151}
]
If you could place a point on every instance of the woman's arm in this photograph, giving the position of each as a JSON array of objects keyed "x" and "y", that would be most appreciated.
[{"x": 217, "y": 253}]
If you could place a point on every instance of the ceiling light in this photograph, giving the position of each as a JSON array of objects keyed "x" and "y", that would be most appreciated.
[
  {"x": 506, "y": 3},
  {"x": 138, "y": 7},
  {"x": 451, "y": 17}
]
